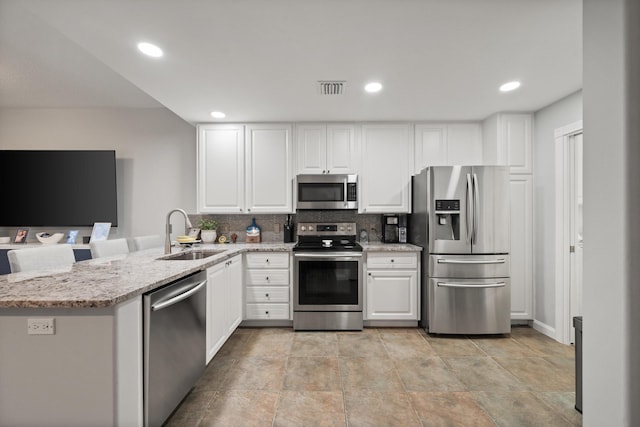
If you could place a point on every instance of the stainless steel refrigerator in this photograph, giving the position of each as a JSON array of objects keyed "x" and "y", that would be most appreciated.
[{"x": 461, "y": 219}]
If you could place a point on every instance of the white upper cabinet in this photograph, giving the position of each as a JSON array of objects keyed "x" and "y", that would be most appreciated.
[
  {"x": 269, "y": 175},
  {"x": 442, "y": 144},
  {"x": 507, "y": 141},
  {"x": 385, "y": 172},
  {"x": 326, "y": 148},
  {"x": 220, "y": 168},
  {"x": 464, "y": 141},
  {"x": 430, "y": 146},
  {"x": 245, "y": 168}
]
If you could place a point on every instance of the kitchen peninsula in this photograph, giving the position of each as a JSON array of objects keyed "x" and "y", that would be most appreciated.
[{"x": 90, "y": 369}]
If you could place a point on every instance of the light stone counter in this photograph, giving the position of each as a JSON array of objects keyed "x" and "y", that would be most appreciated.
[
  {"x": 108, "y": 281},
  {"x": 390, "y": 247}
]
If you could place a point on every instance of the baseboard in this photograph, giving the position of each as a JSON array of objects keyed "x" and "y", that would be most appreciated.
[{"x": 545, "y": 329}]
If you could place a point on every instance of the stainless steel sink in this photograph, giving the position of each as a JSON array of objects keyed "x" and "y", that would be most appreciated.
[{"x": 190, "y": 255}]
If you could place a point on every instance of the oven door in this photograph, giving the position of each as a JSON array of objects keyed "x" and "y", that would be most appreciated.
[{"x": 327, "y": 281}]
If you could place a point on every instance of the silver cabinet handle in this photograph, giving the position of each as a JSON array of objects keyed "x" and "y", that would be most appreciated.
[
  {"x": 469, "y": 285},
  {"x": 174, "y": 300},
  {"x": 479, "y": 261}
]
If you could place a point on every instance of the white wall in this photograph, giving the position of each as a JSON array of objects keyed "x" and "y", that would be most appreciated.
[
  {"x": 611, "y": 211},
  {"x": 561, "y": 113},
  {"x": 155, "y": 155}
]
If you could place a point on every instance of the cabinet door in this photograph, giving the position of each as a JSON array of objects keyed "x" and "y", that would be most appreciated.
[
  {"x": 341, "y": 149},
  {"x": 464, "y": 144},
  {"x": 515, "y": 133},
  {"x": 386, "y": 168},
  {"x": 269, "y": 186},
  {"x": 521, "y": 247},
  {"x": 220, "y": 169},
  {"x": 430, "y": 146},
  {"x": 234, "y": 294},
  {"x": 311, "y": 148},
  {"x": 216, "y": 309},
  {"x": 392, "y": 295}
]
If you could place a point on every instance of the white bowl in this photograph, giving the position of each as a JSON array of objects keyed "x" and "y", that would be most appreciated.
[{"x": 53, "y": 238}]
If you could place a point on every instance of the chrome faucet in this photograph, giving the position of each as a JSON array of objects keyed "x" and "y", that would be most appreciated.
[{"x": 187, "y": 226}]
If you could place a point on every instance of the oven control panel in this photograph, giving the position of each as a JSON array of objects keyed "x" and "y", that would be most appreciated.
[{"x": 326, "y": 229}]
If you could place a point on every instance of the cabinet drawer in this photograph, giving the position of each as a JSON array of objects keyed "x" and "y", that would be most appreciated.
[
  {"x": 268, "y": 260},
  {"x": 267, "y": 311},
  {"x": 267, "y": 294},
  {"x": 267, "y": 277},
  {"x": 392, "y": 260}
]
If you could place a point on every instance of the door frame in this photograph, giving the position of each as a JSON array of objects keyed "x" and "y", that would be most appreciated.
[{"x": 562, "y": 230}]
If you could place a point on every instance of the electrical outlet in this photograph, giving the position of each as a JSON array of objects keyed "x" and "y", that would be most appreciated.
[{"x": 40, "y": 326}]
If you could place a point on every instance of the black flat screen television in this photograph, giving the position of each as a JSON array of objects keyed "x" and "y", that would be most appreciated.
[{"x": 57, "y": 188}]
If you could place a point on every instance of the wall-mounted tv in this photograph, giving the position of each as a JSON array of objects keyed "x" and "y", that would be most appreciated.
[{"x": 57, "y": 188}]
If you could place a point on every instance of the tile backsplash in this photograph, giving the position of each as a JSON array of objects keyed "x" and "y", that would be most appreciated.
[{"x": 272, "y": 225}]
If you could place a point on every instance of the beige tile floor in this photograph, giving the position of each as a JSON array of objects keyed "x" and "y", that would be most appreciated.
[{"x": 384, "y": 377}]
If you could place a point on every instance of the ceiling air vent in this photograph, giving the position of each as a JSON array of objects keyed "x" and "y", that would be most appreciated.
[{"x": 331, "y": 87}]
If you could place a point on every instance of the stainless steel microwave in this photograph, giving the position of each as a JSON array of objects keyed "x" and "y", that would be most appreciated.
[{"x": 326, "y": 191}]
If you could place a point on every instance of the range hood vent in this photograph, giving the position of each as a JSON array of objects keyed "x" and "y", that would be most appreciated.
[{"x": 331, "y": 87}]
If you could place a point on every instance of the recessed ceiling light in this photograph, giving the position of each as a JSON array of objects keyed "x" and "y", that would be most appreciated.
[
  {"x": 150, "y": 50},
  {"x": 507, "y": 87},
  {"x": 373, "y": 87},
  {"x": 218, "y": 115}
]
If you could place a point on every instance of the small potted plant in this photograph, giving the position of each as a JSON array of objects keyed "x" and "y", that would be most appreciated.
[{"x": 208, "y": 229}]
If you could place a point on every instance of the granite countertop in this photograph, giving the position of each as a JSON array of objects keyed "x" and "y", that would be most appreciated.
[
  {"x": 107, "y": 281},
  {"x": 390, "y": 247}
]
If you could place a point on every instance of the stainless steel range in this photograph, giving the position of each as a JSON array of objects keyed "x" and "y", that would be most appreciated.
[{"x": 327, "y": 277}]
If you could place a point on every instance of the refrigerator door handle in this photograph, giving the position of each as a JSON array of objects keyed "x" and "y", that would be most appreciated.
[
  {"x": 471, "y": 285},
  {"x": 480, "y": 261},
  {"x": 469, "y": 209},
  {"x": 476, "y": 203}
]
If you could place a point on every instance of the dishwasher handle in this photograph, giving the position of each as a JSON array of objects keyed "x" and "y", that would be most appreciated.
[{"x": 176, "y": 299}]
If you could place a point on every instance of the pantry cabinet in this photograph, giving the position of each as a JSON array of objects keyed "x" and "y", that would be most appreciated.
[
  {"x": 245, "y": 168},
  {"x": 521, "y": 197},
  {"x": 387, "y": 162},
  {"x": 224, "y": 303},
  {"x": 391, "y": 286},
  {"x": 326, "y": 148}
]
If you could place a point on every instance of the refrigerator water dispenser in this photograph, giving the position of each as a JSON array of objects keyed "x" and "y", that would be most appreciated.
[{"x": 447, "y": 226}]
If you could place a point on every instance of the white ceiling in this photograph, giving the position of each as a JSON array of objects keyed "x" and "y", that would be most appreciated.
[{"x": 259, "y": 60}]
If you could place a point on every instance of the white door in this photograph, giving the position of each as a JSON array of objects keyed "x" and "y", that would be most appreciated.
[
  {"x": 386, "y": 168},
  {"x": 576, "y": 237},
  {"x": 220, "y": 168},
  {"x": 392, "y": 295},
  {"x": 269, "y": 186}
]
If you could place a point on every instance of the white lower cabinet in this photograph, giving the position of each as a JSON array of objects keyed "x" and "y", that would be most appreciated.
[
  {"x": 267, "y": 287},
  {"x": 391, "y": 286},
  {"x": 224, "y": 303}
]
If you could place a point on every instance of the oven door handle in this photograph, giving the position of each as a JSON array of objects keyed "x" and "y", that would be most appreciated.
[{"x": 328, "y": 255}]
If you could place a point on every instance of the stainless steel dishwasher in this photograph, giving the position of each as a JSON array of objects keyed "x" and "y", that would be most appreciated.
[{"x": 174, "y": 344}]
